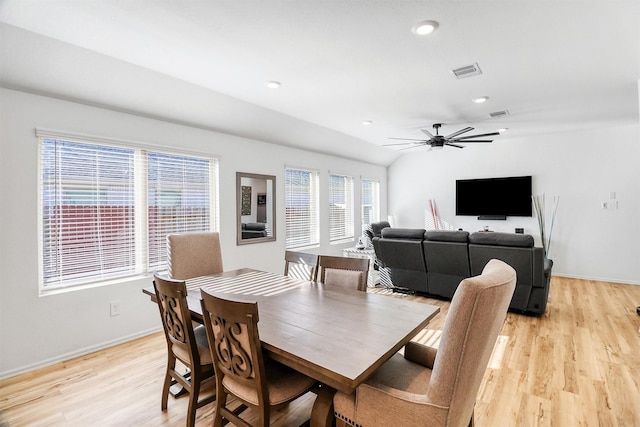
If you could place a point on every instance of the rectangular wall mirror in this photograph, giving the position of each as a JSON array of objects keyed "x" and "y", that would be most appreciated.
[{"x": 255, "y": 208}]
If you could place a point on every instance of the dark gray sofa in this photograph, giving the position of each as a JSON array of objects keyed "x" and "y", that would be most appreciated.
[
  {"x": 252, "y": 230},
  {"x": 401, "y": 249},
  {"x": 433, "y": 263}
]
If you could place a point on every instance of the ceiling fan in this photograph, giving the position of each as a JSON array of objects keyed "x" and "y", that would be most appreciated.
[{"x": 439, "y": 141}]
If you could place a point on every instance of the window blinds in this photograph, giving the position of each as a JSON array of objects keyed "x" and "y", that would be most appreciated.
[
  {"x": 301, "y": 208},
  {"x": 106, "y": 209},
  {"x": 340, "y": 207},
  {"x": 179, "y": 201},
  {"x": 370, "y": 201}
]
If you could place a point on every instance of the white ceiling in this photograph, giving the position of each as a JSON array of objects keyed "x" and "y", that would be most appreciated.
[{"x": 554, "y": 65}]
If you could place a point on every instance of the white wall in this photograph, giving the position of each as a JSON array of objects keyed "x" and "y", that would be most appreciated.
[
  {"x": 37, "y": 330},
  {"x": 581, "y": 167}
]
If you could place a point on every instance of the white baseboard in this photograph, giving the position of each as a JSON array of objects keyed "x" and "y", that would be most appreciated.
[
  {"x": 597, "y": 279},
  {"x": 75, "y": 353}
]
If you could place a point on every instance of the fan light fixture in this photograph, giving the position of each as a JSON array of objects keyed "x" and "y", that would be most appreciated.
[
  {"x": 424, "y": 28},
  {"x": 273, "y": 84}
]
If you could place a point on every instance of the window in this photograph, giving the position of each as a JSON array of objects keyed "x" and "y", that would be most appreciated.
[
  {"x": 301, "y": 207},
  {"x": 179, "y": 200},
  {"x": 370, "y": 201},
  {"x": 106, "y": 209},
  {"x": 340, "y": 207}
]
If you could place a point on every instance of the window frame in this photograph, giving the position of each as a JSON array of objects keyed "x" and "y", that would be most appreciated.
[
  {"x": 141, "y": 234},
  {"x": 375, "y": 202},
  {"x": 347, "y": 226},
  {"x": 312, "y": 237}
]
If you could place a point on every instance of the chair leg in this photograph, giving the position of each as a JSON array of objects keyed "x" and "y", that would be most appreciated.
[
  {"x": 221, "y": 401},
  {"x": 265, "y": 416},
  {"x": 171, "y": 365},
  {"x": 193, "y": 397}
]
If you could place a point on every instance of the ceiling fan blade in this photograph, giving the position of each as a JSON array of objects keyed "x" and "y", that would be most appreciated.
[
  {"x": 409, "y": 139},
  {"x": 402, "y": 143},
  {"x": 477, "y": 140},
  {"x": 426, "y": 132},
  {"x": 406, "y": 148},
  {"x": 453, "y": 145},
  {"x": 474, "y": 136},
  {"x": 460, "y": 132}
]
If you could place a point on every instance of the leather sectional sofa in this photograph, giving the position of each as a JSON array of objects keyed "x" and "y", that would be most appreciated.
[{"x": 433, "y": 263}]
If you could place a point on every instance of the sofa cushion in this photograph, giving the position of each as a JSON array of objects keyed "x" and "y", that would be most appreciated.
[
  {"x": 254, "y": 226},
  {"x": 447, "y": 236},
  {"x": 377, "y": 227},
  {"x": 502, "y": 239},
  {"x": 403, "y": 233}
]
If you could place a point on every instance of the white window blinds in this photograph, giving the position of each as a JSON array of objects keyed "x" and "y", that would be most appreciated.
[
  {"x": 340, "y": 207},
  {"x": 301, "y": 207},
  {"x": 179, "y": 200},
  {"x": 370, "y": 201},
  {"x": 106, "y": 209}
]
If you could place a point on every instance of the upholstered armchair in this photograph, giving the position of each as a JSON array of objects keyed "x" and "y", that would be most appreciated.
[{"x": 429, "y": 387}]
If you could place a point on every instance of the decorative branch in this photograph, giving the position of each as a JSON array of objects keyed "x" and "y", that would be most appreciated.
[{"x": 539, "y": 205}]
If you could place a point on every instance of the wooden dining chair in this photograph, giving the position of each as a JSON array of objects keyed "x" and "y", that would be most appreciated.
[
  {"x": 241, "y": 368},
  {"x": 193, "y": 254},
  {"x": 301, "y": 265},
  {"x": 343, "y": 271},
  {"x": 186, "y": 344},
  {"x": 437, "y": 387}
]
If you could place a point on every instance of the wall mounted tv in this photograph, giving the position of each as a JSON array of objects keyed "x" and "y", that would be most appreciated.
[{"x": 494, "y": 198}]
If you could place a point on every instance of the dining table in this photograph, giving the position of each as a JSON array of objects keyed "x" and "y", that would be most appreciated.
[{"x": 335, "y": 335}]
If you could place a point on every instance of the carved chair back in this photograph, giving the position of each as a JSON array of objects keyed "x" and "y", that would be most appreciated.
[
  {"x": 232, "y": 327},
  {"x": 176, "y": 319}
]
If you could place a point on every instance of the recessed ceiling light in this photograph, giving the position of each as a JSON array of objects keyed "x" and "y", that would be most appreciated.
[
  {"x": 273, "y": 84},
  {"x": 481, "y": 99},
  {"x": 367, "y": 123},
  {"x": 425, "y": 27},
  {"x": 503, "y": 130}
]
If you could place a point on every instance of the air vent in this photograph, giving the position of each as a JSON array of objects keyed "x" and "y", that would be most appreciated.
[
  {"x": 499, "y": 114},
  {"x": 467, "y": 71}
]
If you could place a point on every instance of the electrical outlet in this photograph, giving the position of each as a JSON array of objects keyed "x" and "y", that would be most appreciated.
[{"x": 115, "y": 308}]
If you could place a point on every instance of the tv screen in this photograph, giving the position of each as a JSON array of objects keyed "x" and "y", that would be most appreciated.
[{"x": 500, "y": 197}]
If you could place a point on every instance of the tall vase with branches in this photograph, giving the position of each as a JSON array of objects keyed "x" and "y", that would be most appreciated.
[{"x": 540, "y": 208}]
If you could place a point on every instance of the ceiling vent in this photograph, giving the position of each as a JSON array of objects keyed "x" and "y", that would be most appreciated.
[
  {"x": 496, "y": 114},
  {"x": 467, "y": 71}
]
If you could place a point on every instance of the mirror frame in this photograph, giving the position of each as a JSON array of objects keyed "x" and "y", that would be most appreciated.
[{"x": 239, "y": 239}]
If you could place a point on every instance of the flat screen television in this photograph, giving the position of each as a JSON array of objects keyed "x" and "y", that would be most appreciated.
[{"x": 494, "y": 198}]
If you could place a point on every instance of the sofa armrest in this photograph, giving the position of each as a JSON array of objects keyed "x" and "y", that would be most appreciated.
[
  {"x": 548, "y": 264},
  {"x": 420, "y": 354}
]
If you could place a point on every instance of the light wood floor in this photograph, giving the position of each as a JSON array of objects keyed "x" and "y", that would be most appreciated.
[{"x": 578, "y": 365}]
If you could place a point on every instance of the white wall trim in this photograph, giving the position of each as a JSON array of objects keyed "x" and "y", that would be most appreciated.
[
  {"x": 76, "y": 353},
  {"x": 596, "y": 279}
]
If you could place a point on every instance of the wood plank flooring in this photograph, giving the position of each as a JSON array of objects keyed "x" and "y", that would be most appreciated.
[{"x": 578, "y": 365}]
